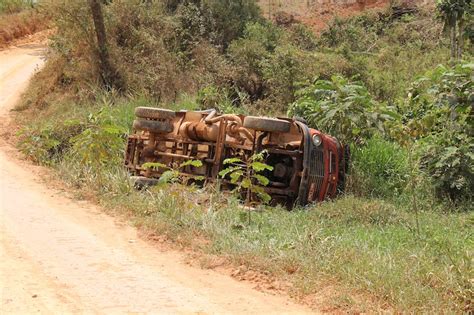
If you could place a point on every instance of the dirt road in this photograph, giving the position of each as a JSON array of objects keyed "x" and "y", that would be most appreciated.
[{"x": 64, "y": 256}]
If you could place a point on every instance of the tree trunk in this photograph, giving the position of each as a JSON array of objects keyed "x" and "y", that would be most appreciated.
[
  {"x": 452, "y": 36},
  {"x": 460, "y": 39},
  {"x": 110, "y": 77}
]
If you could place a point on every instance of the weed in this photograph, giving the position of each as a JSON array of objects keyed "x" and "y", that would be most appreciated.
[{"x": 247, "y": 175}]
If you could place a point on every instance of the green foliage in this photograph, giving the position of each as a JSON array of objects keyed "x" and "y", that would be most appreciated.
[
  {"x": 248, "y": 176},
  {"x": 270, "y": 62},
  {"x": 443, "y": 98},
  {"x": 456, "y": 14},
  {"x": 230, "y": 18},
  {"x": 40, "y": 145},
  {"x": 281, "y": 72},
  {"x": 449, "y": 159},
  {"x": 302, "y": 37},
  {"x": 439, "y": 112},
  {"x": 379, "y": 168},
  {"x": 342, "y": 108},
  {"x": 101, "y": 141},
  {"x": 177, "y": 173},
  {"x": 90, "y": 136},
  {"x": 356, "y": 34},
  {"x": 388, "y": 53},
  {"x": 218, "y": 21},
  {"x": 249, "y": 54},
  {"x": 212, "y": 97}
]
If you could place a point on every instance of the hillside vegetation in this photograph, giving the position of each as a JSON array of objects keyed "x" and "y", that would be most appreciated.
[
  {"x": 400, "y": 239},
  {"x": 19, "y": 18}
]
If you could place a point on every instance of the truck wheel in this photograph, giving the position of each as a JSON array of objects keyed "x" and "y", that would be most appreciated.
[
  {"x": 154, "y": 113},
  {"x": 153, "y": 126},
  {"x": 266, "y": 124},
  {"x": 141, "y": 182}
]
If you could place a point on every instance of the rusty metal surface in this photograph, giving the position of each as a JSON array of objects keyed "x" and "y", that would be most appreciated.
[{"x": 302, "y": 172}]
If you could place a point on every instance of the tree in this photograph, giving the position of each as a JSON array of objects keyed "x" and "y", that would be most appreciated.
[
  {"x": 218, "y": 21},
  {"x": 109, "y": 75},
  {"x": 456, "y": 14}
]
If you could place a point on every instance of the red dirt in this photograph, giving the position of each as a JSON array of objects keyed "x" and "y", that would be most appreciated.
[
  {"x": 319, "y": 18},
  {"x": 319, "y": 15}
]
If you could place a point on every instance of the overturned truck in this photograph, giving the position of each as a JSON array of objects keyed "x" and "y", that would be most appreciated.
[{"x": 307, "y": 165}]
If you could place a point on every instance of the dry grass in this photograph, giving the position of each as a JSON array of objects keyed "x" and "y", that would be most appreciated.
[{"x": 21, "y": 24}]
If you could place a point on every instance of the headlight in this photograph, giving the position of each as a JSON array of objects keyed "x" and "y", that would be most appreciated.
[{"x": 317, "y": 140}]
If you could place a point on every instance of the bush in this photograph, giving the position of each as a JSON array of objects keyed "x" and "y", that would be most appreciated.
[
  {"x": 282, "y": 71},
  {"x": 212, "y": 97},
  {"x": 217, "y": 21},
  {"x": 374, "y": 43},
  {"x": 230, "y": 18},
  {"x": 101, "y": 141},
  {"x": 342, "y": 108},
  {"x": 449, "y": 160},
  {"x": 41, "y": 145},
  {"x": 249, "y": 53},
  {"x": 302, "y": 37},
  {"x": 379, "y": 168},
  {"x": 356, "y": 34},
  {"x": 440, "y": 113}
]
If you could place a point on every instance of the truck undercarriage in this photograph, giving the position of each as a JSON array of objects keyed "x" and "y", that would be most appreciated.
[{"x": 307, "y": 165}]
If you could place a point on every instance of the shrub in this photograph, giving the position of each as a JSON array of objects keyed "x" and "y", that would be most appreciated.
[
  {"x": 356, "y": 34},
  {"x": 269, "y": 65},
  {"x": 101, "y": 141},
  {"x": 40, "y": 145},
  {"x": 212, "y": 97},
  {"x": 302, "y": 37},
  {"x": 217, "y": 21},
  {"x": 282, "y": 71},
  {"x": 342, "y": 108},
  {"x": 387, "y": 52},
  {"x": 249, "y": 53},
  {"x": 449, "y": 160},
  {"x": 440, "y": 113},
  {"x": 231, "y": 17}
]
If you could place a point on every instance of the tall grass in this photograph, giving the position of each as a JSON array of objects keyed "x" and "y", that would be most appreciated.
[{"x": 380, "y": 168}]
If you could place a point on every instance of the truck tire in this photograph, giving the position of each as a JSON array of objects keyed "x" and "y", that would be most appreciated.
[
  {"x": 153, "y": 126},
  {"x": 141, "y": 182},
  {"x": 154, "y": 113},
  {"x": 266, "y": 124}
]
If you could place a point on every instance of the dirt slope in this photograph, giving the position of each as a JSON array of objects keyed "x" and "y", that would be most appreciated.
[
  {"x": 318, "y": 14},
  {"x": 63, "y": 256}
]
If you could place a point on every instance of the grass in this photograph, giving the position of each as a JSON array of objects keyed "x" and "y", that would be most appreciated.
[
  {"x": 366, "y": 249},
  {"x": 15, "y": 6},
  {"x": 356, "y": 244}
]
